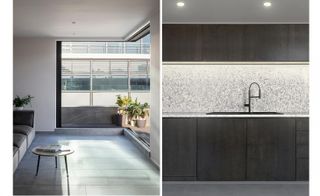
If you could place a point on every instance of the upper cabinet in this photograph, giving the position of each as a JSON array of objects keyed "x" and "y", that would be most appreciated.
[
  {"x": 182, "y": 43},
  {"x": 249, "y": 42}
]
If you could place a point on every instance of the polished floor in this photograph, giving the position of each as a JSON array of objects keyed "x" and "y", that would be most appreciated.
[
  {"x": 101, "y": 165},
  {"x": 236, "y": 188}
]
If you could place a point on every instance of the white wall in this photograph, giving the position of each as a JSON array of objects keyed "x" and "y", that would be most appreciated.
[
  {"x": 155, "y": 113},
  {"x": 34, "y": 72}
]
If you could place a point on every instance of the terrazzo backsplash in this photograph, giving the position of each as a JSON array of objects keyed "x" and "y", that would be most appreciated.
[{"x": 193, "y": 87}]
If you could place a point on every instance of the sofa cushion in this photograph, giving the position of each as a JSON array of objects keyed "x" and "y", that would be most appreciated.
[
  {"x": 18, "y": 139},
  {"x": 23, "y": 129},
  {"x": 24, "y": 117},
  {"x": 15, "y": 149}
]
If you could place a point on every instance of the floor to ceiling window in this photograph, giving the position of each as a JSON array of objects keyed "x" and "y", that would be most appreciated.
[{"x": 93, "y": 73}]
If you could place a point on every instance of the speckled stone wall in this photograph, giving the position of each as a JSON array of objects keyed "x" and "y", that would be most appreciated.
[{"x": 224, "y": 87}]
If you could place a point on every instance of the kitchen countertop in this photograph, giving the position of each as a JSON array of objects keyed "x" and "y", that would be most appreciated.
[{"x": 204, "y": 115}]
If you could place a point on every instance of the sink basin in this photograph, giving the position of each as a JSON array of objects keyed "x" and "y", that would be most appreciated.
[{"x": 244, "y": 113}]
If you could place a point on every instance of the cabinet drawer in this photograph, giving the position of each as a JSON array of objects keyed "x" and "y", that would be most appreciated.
[
  {"x": 302, "y": 171},
  {"x": 302, "y": 124},
  {"x": 302, "y": 151},
  {"x": 302, "y": 137}
]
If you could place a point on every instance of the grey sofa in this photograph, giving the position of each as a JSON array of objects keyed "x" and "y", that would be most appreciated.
[{"x": 23, "y": 134}]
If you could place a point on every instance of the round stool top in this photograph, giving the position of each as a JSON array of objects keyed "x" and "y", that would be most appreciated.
[{"x": 41, "y": 150}]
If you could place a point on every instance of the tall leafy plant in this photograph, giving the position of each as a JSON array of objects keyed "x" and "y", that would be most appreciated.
[{"x": 20, "y": 102}]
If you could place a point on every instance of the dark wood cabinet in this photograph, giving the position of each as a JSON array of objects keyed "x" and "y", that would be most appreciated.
[
  {"x": 302, "y": 149},
  {"x": 221, "y": 149},
  {"x": 222, "y": 43},
  {"x": 181, "y": 42},
  {"x": 235, "y": 42},
  {"x": 266, "y": 43},
  {"x": 235, "y": 149},
  {"x": 271, "y": 149},
  {"x": 298, "y": 42},
  {"x": 179, "y": 149}
]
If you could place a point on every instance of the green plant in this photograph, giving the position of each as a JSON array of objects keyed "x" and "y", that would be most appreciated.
[
  {"x": 20, "y": 102},
  {"x": 123, "y": 103},
  {"x": 137, "y": 110},
  {"x": 134, "y": 109},
  {"x": 144, "y": 110}
]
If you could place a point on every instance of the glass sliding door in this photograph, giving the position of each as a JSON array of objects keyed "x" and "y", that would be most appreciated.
[{"x": 91, "y": 76}]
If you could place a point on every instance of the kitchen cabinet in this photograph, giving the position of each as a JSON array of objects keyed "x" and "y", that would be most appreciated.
[
  {"x": 271, "y": 149},
  {"x": 266, "y": 43},
  {"x": 179, "y": 149},
  {"x": 302, "y": 149},
  {"x": 298, "y": 42},
  {"x": 222, "y": 43},
  {"x": 221, "y": 149},
  {"x": 235, "y": 42},
  {"x": 182, "y": 42},
  {"x": 236, "y": 149}
]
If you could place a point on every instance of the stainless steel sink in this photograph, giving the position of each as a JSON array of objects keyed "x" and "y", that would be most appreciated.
[{"x": 244, "y": 113}]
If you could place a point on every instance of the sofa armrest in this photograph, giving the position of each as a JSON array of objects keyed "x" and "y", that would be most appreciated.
[{"x": 23, "y": 117}]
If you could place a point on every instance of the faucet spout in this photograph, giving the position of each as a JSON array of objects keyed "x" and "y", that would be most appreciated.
[{"x": 252, "y": 96}]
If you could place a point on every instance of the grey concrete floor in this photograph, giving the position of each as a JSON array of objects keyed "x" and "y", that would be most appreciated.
[
  {"x": 101, "y": 165},
  {"x": 235, "y": 188}
]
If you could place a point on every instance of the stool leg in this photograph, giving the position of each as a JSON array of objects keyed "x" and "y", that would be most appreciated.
[
  {"x": 38, "y": 165},
  {"x": 56, "y": 161},
  {"x": 66, "y": 162}
]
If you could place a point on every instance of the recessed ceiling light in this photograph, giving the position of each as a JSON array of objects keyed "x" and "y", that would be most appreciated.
[
  {"x": 180, "y": 3},
  {"x": 267, "y": 4}
]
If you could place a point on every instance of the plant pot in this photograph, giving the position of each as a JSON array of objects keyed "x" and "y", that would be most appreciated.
[
  {"x": 141, "y": 123},
  {"x": 18, "y": 108},
  {"x": 124, "y": 120},
  {"x": 121, "y": 120},
  {"x": 132, "y": 123}
]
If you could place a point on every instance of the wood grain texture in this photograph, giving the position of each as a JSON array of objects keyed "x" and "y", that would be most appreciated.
[
  {"x": 302, "y": 170},
  {"x": 181, "y": 42},
  {"x": 236, "y": 42},
  {"x": 302, "y": 149},
  {"x": 179, "y": 148},
  {"x": 271, "y": 149},
  {"x": 221, "y": 149}
]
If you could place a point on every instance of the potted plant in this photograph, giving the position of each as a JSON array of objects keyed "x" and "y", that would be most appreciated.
[
  {"x": 122, "y": 113},
  {"x": 134, "y": 110},
  {"x": 143, "y": 114},
  {"x": 19, "y": 102}
]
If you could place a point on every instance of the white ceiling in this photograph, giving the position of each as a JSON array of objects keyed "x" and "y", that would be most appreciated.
[
  {"x": 236, "y": 11},
  {"x": 112, "y": 19}
]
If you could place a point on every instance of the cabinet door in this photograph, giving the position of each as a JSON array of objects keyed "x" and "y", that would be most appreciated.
[
  {"x": 302, "y": 149},
  {"x": 179, "y": 149},
  {"x": 222, "y": 42},
  {"x": 221, "y": 149},
  {"x": 266, "y": 42},
  {"x": 271, "y": 149},
  {"x": 298, "y": 43},
  {"x": 181, "y": 42}
]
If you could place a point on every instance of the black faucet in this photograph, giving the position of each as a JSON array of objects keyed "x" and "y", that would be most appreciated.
[{"x": 250, "y": 97}]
